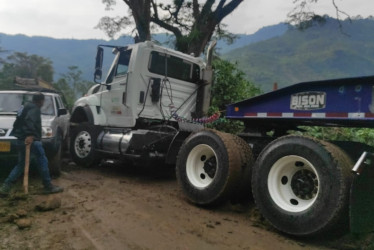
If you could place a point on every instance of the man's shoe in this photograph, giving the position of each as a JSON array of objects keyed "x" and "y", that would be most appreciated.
[
  {"x": 4, "y": 190},
  {"x": 52, "y": 189}
]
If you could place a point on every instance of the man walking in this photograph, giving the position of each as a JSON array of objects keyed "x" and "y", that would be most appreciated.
[{"x": 28, "y": 130}]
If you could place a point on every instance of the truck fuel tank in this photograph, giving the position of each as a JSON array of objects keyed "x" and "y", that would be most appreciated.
[{"x": 114, "y": 141}]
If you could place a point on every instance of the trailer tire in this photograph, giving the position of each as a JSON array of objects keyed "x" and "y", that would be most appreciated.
[
  {"x": 301, "y": 185},
  {"x": 83, "y": 144},
  {"x": 208, "y": 167}
]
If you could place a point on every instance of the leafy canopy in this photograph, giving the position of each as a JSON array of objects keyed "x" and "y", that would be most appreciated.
[{"x": 192, "y": 23}]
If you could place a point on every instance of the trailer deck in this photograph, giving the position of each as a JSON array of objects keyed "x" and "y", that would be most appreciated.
[{"x": 340, "y": 102}]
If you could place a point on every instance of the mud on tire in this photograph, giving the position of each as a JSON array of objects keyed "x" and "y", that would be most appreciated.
[
  {"x": 301, "y": 185},
  {"x": 244, "y": 192},
  {"x": 208, "y": 167}
]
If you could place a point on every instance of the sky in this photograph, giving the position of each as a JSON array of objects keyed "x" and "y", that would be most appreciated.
[{"x": 76, "y": 19}]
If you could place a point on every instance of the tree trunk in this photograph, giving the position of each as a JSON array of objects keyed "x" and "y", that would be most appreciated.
[{"x": 141, "y": 11}]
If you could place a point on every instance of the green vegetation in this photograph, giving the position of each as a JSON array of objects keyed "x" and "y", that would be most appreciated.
[
  {"x": 321, "y": 52},
  {"x": 26, "y": 66},
  {"x": 72, "y": 86},
  {"x": 37, "y": 67},
  {"x": 363, "y": 135},
  {"x": 230, "y": 85}
]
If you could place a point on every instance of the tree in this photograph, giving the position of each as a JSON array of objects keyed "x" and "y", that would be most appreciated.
[
  {"x": 302, "y": 16},
  {"x": 26, "y": 66},
  {"x": 192, "y": 23},
  {"x": 72, "y": 85},
  {"x": 230, "y": 85},
  {"x": 63, "y": 86},
  {"x": 29, "y": 66}
]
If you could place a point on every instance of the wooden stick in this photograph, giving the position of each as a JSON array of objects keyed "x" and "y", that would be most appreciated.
[{"x": 26, "y": 173}]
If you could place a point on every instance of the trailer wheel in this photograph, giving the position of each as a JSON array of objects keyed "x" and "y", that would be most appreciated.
[
  {"x": 83, "y": 144},
  {"x": 208, "y": 167},
  {"x": 301, "y": 185}
]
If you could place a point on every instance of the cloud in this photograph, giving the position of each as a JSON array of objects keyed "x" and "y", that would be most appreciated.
[{"x": 77, "y": 18}]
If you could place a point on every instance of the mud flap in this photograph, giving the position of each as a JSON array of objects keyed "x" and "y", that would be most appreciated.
[{"x": 361, "y": 207}]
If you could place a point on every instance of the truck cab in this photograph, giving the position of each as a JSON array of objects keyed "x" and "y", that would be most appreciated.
[
  {"x": 145, "y": 81},
  {"x": 146, "y": 87}
]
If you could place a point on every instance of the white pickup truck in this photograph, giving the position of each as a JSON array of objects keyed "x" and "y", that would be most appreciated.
[{"x": 55, "y": 125}]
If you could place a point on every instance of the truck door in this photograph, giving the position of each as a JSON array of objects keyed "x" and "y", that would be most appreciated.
[
  {"x": 113, "y": 99},
  {"x": 179, "y": 82}
]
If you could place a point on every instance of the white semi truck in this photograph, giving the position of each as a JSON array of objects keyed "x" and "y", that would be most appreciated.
[{"x": 150, "y": 108}]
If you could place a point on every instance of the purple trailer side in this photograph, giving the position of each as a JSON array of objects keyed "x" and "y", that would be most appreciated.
[{"x": 338, "y": 102}]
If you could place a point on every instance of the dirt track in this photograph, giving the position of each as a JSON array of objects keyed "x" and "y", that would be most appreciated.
[{"x": 110, "y": 207}]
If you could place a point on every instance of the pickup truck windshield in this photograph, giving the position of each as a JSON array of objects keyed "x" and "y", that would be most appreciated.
[{"x": 11, "y": 102}]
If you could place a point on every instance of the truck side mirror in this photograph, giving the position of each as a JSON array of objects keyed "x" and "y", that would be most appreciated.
[{"x": 99, "y": 64}]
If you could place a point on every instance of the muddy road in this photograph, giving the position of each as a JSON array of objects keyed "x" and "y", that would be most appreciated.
[{"x": 111, "y": 207}]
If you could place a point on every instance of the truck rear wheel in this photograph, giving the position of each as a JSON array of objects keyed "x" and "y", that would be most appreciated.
[
  {"x": 301, "y": 185},
  {"x": 83, "y": 144},
  {"x": 208, "y": 167},
  {"x": 244, "y": 191}
]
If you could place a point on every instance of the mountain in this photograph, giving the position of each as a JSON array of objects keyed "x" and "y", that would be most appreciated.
[
  {"x": 323, "y": 51},
  {"x": 68, "y": 52},
  {"x": 62, "y": 52},
  {"x": 262, "y": 34},
  {"x": 277, "y": 53}
]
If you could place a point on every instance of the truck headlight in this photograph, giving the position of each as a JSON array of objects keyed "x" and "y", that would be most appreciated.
[{"x": 47, "y": 132}]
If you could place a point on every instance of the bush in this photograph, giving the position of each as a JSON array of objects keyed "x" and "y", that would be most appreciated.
[{"x": 230, "y": 85}]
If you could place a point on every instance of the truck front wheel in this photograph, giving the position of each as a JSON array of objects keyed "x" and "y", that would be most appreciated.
[
  {"x": 208, "y": 167},
  {"x": 301, "y": 185},
  {"x": 83, "y": 143}
]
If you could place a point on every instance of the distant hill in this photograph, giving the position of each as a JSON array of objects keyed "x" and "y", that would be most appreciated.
[
  {"x": 320, "y": 52},
  {"x": 261, "y": 35},
  {"x": 81, "y": 53}
]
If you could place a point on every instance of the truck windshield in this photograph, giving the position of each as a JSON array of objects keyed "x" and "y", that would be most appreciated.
[
  {"x": 122, "y": 66},
  {"x": 11, "y": 102}
]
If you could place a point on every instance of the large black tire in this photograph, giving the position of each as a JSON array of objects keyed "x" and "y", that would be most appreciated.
[
  {"x": 83, "y": 144},
  {"x": 208, "y": 167},
  {"x": 244, "y": 192},
  {"x": 301, "y": 185}
]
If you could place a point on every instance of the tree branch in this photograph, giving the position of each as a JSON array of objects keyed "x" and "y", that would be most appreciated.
[
  {"x": 222, "y": 12},
  {"x": 207, "y": 7},
  {"x": 167, "y": 26},
  {"x": 195, "y": 8}
]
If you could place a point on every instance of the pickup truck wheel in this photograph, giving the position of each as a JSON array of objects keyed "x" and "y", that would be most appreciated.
[
  {"x": 54, "y": 160},
  {"x": 208, "y": 167},
  {"x": 83, "y": 144},
  {"x": 301, "y": 185}
]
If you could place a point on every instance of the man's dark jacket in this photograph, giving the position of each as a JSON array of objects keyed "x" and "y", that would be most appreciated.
[{"x": 28, "y": 122}]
